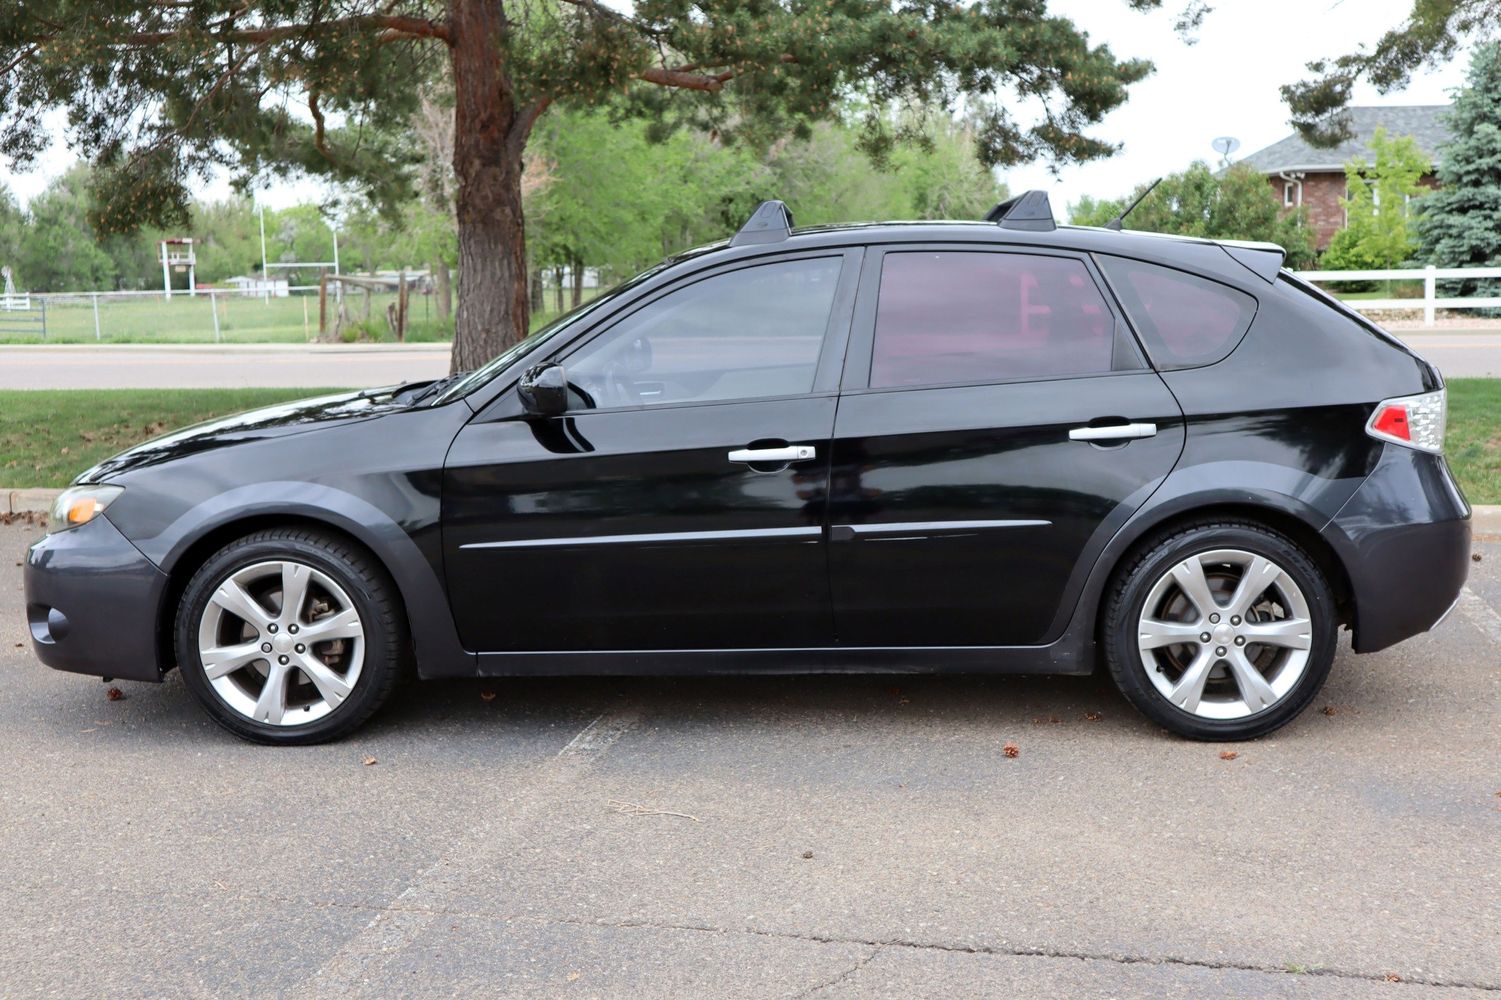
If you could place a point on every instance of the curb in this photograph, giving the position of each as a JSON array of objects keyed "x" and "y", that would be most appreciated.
[
  {"x": 1486, "y": 519},
  {"x": 27, "y": 501}
]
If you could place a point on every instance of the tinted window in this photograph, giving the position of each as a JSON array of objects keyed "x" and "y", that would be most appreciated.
[
  {"x": 753, "y": 332},
  {"x": 980, "y": 317},
  {"x": 1183, "y": 320}
]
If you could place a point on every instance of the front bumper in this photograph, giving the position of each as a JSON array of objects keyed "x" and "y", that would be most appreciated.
[
  {"x": 1405, "y": 542},
  {"x": 92, "y": 602}
]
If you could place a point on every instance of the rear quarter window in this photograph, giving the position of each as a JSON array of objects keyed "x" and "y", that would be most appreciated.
[{"x": 1184, "y": 321}]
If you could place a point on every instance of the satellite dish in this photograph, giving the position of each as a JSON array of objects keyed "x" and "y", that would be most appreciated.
[{"x": 1225, "y": 145}]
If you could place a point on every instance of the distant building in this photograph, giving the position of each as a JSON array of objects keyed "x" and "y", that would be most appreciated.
[
  {"x": 1305, "y": 175},
  {"x": 276, "y": 288}
]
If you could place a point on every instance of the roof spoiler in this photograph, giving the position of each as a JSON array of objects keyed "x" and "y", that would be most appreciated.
[
  {"x": 1262, "y": 259},
  {"x": 771, "y": 222},
  {"x": 1030, "y": 211}
]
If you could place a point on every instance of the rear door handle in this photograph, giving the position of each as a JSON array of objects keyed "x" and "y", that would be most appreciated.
[
  {"x": 1113, "y": 432},
  {"x": 791, "y": 453}
]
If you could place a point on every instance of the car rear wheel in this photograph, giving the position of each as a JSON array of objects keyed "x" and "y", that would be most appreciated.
[
  {"x": 1222, "y": 631},
  {"x": 290, "y": 636}
]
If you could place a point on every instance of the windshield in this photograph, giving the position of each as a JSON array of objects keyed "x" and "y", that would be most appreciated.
[{"x": 482, "y": 375}]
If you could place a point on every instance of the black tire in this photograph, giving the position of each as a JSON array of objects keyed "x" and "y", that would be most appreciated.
[
  {"x": 369, "y": 588},
  {"x": 1133, "y": 584}
]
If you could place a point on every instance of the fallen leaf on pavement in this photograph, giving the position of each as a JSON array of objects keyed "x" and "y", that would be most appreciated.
[
  {"x": 369, "y": 760},
  {"x": 1392, "y": 977},
  {"x": 487, "y": 696},
  {"x": 1093, "y": 716},
  {"x": 1228, "y": 755},
  {"x": 1329, "y": 710},
  {"x": 1474, "y": 556},
  {"x": 807, "y": 855},
  {"x": 115, "y": 694},
  {"x": 1011, "y": 750},
  {"x": 573, "y": 977}
]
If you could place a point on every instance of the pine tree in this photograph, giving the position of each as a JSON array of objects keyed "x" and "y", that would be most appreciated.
[
  {"x": 1461, "y": 221},
  {"x": 161, "y": 91}
]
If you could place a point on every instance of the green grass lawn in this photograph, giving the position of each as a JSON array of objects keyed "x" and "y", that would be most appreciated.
[
  {"x": 49, "y": 436},
  {"x": 188, "y": 319}
]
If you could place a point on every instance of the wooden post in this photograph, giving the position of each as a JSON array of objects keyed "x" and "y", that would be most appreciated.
[
  {"x": 401, "y": 309},
  {"x": 322, "y": 303}
]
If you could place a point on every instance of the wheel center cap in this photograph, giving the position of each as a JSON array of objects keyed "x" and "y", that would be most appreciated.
[
  {"x": 1223, "y": 634},
  {"x": 282, "y": 643}
]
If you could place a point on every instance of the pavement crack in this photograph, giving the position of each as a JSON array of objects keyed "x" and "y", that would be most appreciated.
[{"x": 842, "y": 977}]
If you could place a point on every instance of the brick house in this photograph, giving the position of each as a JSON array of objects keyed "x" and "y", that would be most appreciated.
[{"x": 1301, "y": 174}]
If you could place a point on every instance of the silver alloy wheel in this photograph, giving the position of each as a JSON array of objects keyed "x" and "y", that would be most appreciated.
[
  {"x": 281, "y": 643},
  {"x": 1225, "y": 634}
]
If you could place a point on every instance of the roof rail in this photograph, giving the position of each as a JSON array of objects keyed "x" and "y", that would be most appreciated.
[
  {"x": 771, "y": 222},
  {"x": 1030, "y": 211}
]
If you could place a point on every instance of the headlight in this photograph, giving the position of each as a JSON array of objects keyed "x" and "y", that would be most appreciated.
[{"x": 80, "y": 505}]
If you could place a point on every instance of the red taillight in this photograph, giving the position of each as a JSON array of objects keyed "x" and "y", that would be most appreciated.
[
  {"x": 1411, "y": 421},
  {"x": 1392, "y": 422}
]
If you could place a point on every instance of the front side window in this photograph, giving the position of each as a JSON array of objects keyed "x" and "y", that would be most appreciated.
[
  {"x": 1184, "y": 321},
  {"x": 743, "y": 334},
  {"x": 948, "y": 317}
]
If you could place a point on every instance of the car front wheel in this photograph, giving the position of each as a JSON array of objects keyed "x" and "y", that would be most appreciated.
[
  {"x": 290, "y": 636},
  {"x": 1220, "y": 631}
]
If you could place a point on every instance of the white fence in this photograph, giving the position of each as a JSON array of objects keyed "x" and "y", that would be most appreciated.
[{"x": 1429, "y": 276}]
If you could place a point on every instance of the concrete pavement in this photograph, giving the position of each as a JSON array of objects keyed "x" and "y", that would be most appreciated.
[
  {"x": 1458, "y": 353},
  {"x": 759, "y": 837},
  {"x": 151, "y": 366}
]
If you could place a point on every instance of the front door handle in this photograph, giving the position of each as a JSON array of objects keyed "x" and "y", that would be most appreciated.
[
  {"x": 1113, "y": 432},
  {"x": 769, "y": 456}
]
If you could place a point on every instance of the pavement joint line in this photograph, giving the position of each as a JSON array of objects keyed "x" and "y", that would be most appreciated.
[
  {"x": 398, "y": 924},
  {"x": 881, "y": 945},
  {"x": 1481, "y": 614}
]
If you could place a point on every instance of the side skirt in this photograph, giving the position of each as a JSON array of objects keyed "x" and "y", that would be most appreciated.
[{"x": 1061, "y": 657}]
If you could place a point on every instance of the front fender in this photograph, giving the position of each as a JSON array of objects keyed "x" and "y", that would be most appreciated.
[{"x": 439, "y": 652}]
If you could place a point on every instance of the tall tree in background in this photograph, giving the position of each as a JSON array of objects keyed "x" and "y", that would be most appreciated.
[
  {"x": 160, "y": 90},
  {"x": 1460, "y": 225},
  {"x": 1376, "y": 234},
  {"x": 1236, "y": 204},
  {"x": 1430, "y": 36}
]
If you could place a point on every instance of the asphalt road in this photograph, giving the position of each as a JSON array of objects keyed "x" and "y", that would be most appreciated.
[
  {"x": 839, "y": 837},
  {"x": 1458, "y": 354}
]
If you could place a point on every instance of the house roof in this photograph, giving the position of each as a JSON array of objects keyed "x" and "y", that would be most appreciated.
[{"x": 1424, "y": 122}]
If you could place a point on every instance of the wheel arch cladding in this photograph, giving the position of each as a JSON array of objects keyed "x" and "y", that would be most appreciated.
[
  {"x": 1147, "y": 530},
  {"x": 202, "y": 532}
]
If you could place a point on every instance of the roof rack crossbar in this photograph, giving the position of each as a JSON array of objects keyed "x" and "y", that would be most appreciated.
[
  {"x": 1030, "y": 211},
  {"x": 771, "y": 222}
]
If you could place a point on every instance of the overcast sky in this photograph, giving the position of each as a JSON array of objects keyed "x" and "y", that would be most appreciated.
[{"x": 1225, "y": 84}]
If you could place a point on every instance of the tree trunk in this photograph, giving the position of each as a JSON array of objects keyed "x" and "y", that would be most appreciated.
[
  {"x": 537, "y": 300},
  {"x": 443, "y": 288},
  {"x": 557, "y": 290},
  {"x": 489, "y": 136},
  {"x": 578, "y": 283}
]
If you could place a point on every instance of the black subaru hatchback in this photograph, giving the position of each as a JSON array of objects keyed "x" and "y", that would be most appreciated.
[{"x": 998, "y": 446}]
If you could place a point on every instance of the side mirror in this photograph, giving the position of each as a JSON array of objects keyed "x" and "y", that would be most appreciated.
[{"x": 544, "y": 390}]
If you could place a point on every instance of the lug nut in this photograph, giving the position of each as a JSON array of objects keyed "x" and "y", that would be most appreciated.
[
  {"x": 283, "y": 660},
  {"x": 1234, "y": 620},
  {"x": 271, "y": 628},
  {"x": 1203, "y": 637},
  {"x": 265, "y": 647},
  {"x": 1214, "y": 619},
  {"x": 1240, "y": 640},
  {"x": 1218, "y": 651},
  {"x": 301, "y": 648},
  {"x": 293, "y": 629}
]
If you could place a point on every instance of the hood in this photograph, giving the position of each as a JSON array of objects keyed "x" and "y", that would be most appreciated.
[{"x": 280, "y": 420}]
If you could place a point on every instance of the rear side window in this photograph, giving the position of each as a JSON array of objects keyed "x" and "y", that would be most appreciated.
[
  {"x": 962, "y": 317},
  {"x": 1184, "y": 321}
]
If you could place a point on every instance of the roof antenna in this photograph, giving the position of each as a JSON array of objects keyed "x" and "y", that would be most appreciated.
[{"x": 1115, "y": 223}]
